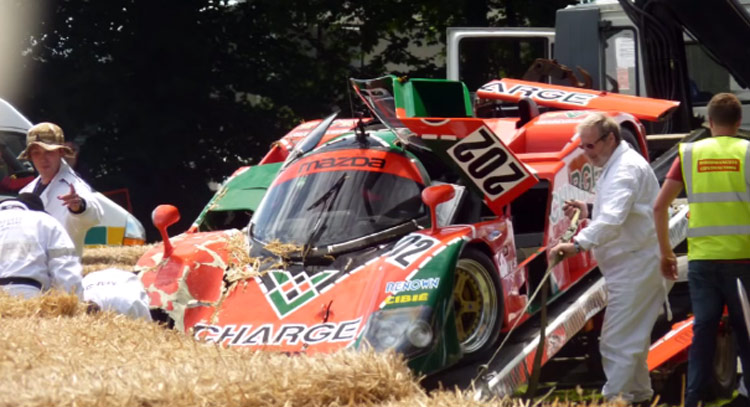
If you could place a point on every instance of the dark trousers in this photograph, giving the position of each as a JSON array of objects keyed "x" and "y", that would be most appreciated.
[{"x": 713, "y": 284}]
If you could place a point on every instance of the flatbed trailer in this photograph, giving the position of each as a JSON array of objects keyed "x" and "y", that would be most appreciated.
[
  {"x": 512, "y": 366},
  {"x": 502, "y": 372}
]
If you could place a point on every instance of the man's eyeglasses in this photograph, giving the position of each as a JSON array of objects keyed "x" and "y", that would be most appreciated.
[{"x": 590, "y": 146}]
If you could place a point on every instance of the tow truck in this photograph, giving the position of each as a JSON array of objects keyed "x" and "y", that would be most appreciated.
[{"x": 667, "y": 49}]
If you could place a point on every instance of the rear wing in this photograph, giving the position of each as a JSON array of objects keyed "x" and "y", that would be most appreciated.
[
  {"x": 565, "y": 97},
  {"x": 435, "y": 115}
]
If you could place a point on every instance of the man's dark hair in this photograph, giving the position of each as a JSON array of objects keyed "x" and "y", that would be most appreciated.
[{"x": 725, "y": 109}]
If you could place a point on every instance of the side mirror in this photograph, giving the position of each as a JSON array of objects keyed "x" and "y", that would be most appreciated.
[
  {"x": 435, "y": 195},
  {"x": 163, "y": 217}
]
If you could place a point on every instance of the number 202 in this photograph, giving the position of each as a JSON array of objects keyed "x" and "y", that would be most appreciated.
[{"x": 486, "y": 162}]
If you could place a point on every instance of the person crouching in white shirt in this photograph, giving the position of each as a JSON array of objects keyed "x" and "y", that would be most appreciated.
[{"x": 37, "y": 253}]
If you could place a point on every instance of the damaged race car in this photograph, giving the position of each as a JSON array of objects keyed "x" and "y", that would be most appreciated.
[{"x": 424, "y": 231}]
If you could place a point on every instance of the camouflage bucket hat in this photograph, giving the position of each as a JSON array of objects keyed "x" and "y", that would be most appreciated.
[{"x": 48, "y": 136}]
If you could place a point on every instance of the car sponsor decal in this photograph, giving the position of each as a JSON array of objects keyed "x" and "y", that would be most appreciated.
[
  {"x": 565, "y": 97},
  {"x": 411, "y": 284},
  {"x": 539, "y": 93},
  {"x": 479, "y": 155},
  {"x": 555, "y": 118},
  {"x": 407, "y": 298},
  {"x": 420, "y": 284},
  {"x": 285, "y": 334},
  {"x": 582, "y": 174},
  {"x": 340, "y": 163},
  {"x": 287, "y": 291},
  {"x": 566, "y": 192},
  {"x": 409, "y": 249},
  {"x": 348, "y": 160},
  {"x": 487, "y": 162}
]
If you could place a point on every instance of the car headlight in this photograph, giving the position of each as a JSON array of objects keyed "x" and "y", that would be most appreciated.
[
  {"x": 406, "y": 330},
  {"x": 419, "y": 334}
]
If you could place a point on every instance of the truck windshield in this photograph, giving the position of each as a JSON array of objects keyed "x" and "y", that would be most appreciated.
[{"x": 708, "y": 78}]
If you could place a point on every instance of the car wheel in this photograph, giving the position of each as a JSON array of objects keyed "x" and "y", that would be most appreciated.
[
  {"x": 629, "y": 138},
  {"x": 477, "y": 301}
]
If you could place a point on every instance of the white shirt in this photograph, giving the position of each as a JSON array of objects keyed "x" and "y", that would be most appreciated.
[
  {"x": 34, "y": 245},
  {"x": 622, "y": 218},
  {"x": 76, "y": 224},
  {"x": 117, "y": 290}
]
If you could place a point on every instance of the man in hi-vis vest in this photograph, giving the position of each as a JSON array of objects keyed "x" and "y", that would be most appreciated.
[{"x": 715, "y": 173}]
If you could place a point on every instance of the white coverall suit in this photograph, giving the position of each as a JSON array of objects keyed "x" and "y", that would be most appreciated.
[
  {"x": 117, "y": 290},
  {"x": 76, "y": 224},
  {"x": 622, "y": 236},
  {"x": 34, "y": 245}
]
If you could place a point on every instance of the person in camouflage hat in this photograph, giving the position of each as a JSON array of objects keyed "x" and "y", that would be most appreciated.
[{"x": 65, "y": 195}]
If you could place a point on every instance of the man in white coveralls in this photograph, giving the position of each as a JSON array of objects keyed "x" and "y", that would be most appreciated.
[
  {"x": 37, "y": 253},
  {"x": 622, "y": 237}
]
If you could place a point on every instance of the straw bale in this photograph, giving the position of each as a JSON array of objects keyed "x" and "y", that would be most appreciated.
[
  {"x": 114, "y": 254},
  {"x": 54, "y": 353},
  {"x": 51, "y": 304},
  {"x": 106, "y": 359},
  {"x": 90, "y": 268}
]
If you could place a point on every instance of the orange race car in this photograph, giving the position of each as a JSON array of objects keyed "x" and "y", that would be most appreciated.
[{"x": 422, "y": 230}]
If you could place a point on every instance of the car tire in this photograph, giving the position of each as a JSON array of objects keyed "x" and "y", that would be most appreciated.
[
  {"x": 627, "y": 135},
  {"x": 478, "y": 303}
]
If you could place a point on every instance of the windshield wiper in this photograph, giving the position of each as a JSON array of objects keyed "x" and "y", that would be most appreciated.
[{"x": 328, "y": 198}]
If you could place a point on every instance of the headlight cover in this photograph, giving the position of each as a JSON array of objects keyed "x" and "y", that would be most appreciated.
[{"x": 407, "y": 330}]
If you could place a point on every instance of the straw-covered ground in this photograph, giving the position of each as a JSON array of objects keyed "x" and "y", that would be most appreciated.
[{"x": 55, "y": 354}]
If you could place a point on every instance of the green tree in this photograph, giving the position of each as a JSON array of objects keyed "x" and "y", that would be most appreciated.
[{"x": 166, "y": 95}]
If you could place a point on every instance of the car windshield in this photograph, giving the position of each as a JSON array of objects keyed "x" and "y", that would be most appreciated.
[{"x": 311, "y": 207}]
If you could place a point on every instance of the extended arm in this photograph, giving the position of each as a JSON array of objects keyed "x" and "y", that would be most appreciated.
[
  {"x": 85, "y": 209},
  {"x": 667, "y": 194}
]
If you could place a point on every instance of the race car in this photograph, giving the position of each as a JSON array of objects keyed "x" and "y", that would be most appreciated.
[{"x": 424, "y": 231}]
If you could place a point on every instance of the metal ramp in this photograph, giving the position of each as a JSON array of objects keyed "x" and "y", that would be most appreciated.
[{"x": 566, "y": 315}]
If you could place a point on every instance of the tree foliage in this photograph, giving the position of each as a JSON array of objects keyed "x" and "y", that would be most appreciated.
[{"x": 166, "y": 95}]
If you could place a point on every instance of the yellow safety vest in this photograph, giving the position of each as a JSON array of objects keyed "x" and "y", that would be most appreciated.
[{"x": 716, "y": 175}]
